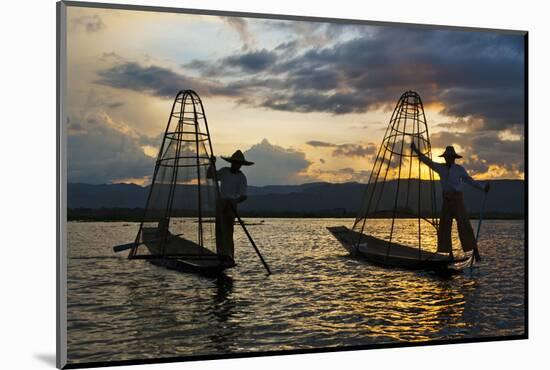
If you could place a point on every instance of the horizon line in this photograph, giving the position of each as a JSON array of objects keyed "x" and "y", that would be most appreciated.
[{"x": 259, "y": 186}]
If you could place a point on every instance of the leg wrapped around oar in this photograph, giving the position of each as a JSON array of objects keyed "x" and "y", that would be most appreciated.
[
  {"x": 454, "y": 207},
  {"x": 225, "y": 219},
  {"x": 465, "y": 231},
  {"x": 444, "y": 240}
]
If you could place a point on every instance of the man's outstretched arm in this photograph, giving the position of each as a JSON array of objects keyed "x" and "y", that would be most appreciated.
[
  {"x": 475, "y": 184},
  {"x": 423, "y": 158}
]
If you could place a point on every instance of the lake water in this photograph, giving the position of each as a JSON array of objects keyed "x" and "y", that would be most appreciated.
[{"x": 317, "y": 297}]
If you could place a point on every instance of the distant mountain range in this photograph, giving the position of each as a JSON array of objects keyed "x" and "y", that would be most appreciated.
[{"x": 506, "y": 199}]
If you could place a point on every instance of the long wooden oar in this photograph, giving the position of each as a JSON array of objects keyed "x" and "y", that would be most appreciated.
[
  {"x": 250, "y": 238},
  {"x": 477, "y": 257},
  {"x": 123, "y": 247}
]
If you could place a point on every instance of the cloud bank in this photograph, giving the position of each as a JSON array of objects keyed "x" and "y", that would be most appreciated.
[
  {"x": 471, "y": 74},
  {"x": 475, "y": 79},
  {"x": 276, "y": 165}
]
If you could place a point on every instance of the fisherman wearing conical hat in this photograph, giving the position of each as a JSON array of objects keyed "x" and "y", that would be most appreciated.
[
  {"x": 232, "y": 192},
  {"x": 452, "y": 176}
]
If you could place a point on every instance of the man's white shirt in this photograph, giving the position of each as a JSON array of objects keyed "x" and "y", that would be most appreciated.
[
  {"x": 233, "y": 185},
  {"x": 453, "y": 177}
]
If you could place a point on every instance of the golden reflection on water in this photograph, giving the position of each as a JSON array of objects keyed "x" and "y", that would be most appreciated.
[
  {"x": 317, "y": 297},
  {"x": 405, "y": 232}
]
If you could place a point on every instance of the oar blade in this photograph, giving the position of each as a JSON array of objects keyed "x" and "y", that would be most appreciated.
[{"x": 123, "y": 247}]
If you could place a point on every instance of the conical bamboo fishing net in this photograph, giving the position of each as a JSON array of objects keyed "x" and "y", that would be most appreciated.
[
  {"x": 399, "y": 204},
  {"x": 179, "y": 219}
]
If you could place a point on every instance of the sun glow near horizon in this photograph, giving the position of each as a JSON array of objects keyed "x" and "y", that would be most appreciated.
[{"x": 307, "y": 101}]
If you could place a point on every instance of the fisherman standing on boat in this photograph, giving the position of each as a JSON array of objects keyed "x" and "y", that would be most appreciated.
[
  {"x": 232, "y": 192},
  {"x": 452, "y": 176}
]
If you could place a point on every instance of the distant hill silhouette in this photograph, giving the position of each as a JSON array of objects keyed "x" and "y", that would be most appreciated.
[{"x": 506, "y": 199}]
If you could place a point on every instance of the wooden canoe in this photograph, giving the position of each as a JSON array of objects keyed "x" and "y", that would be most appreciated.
[
  {"x": 181, "y": 254},
  {"x": 380, "y": 252}
]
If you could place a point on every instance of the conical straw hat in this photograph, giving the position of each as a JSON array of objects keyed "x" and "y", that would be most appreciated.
[
  {"x": 238, "y": 157},
  {"x": 450, "y": 152}
]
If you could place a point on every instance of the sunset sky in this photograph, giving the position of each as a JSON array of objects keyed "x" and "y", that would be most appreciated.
[{"x": 306, "y": 101}]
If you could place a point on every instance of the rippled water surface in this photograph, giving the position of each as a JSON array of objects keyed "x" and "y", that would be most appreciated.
[{"x": 317, "y": 297}]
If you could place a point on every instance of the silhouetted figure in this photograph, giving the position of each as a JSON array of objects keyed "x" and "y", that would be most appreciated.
[
  {"x": 232, "y": 192},
  {"x": 163, "y": 227},
  {"x": 452, "y": 177}
]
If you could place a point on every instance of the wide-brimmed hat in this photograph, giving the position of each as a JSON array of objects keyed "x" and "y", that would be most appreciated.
[
  {"x": 450, "y": 152},
  {"x": 238, "y": 157}
]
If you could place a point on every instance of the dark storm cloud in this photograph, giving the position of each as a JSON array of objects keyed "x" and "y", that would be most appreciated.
[
  {"x": 164, "y": 82},
  {"x": 476, "y": 77},
  {"x": 338, "y": 103},
  {"x": 482, "y": 149},
  {"x": 499, "y": 109},
  {"x": 320, "y": 79},
  {"x": 346, "y": 150},
  {"x": 102, "y": 148},
  {"x": 354, "y": 150},
  {"x": 90, "y": 23},
  {"x": 112, "y": 57},
  {"x": 101, "y": 154},
  {"x": 75, "y": 128},
  {"x": 248, "y": 91},
  {"x": 115, "y": 105},
  {"x": 200, "y": 65},
  {"x": 243, "y": 64},
  {"x": 287, "y": 47},
  {"x": 240, "y": 25},
  {"x": 472, "y": 74},
  {"x": 154, "y": 80},
  {"x": 320, "y": 144},
  {"x": 312, "y": 34},
  {"x": 254, "y": 61}
]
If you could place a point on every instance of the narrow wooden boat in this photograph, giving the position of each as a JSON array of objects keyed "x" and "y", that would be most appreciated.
[
  {"x": 177, "y": 228},
  {"x": 178, "y": 253},
  {"x": 400, "y": 188},
  {"x": 383, "y": 253}
]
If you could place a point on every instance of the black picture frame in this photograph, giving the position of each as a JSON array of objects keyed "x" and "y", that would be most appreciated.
[{"x": 61, "y": 190}]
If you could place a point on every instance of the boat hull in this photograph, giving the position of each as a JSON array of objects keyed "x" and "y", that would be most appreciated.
[
  {"x": 183, "y": 265},
  {"x": 185, "y": 256},
  {"x": 379, "y": 252}
]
